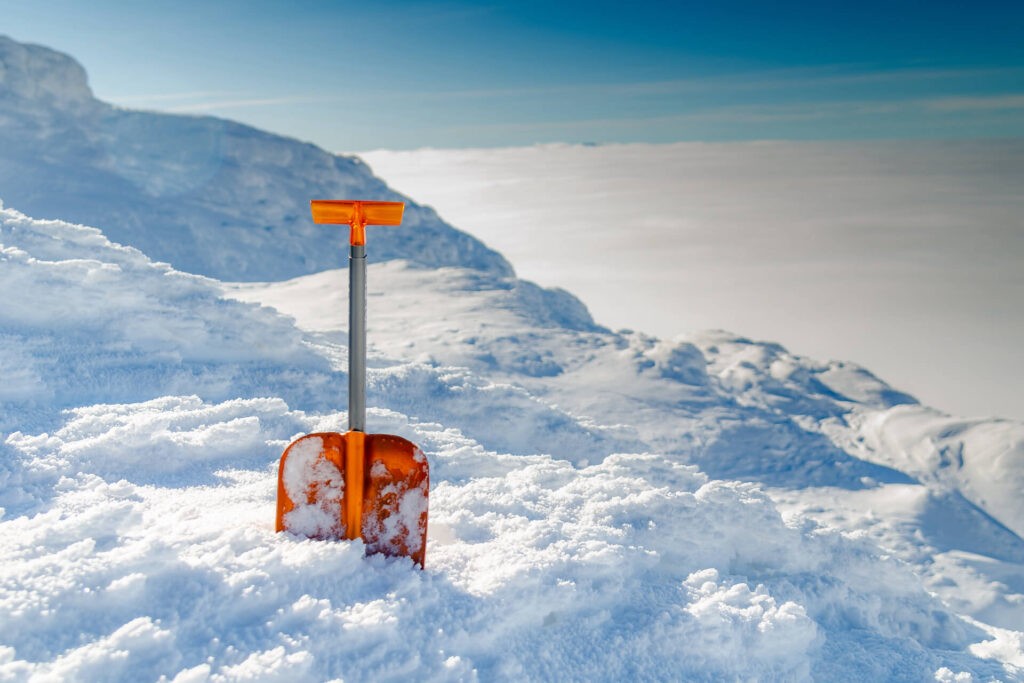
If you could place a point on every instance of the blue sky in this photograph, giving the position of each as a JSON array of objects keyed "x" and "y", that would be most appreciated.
[{"x": 357, "y": 76}]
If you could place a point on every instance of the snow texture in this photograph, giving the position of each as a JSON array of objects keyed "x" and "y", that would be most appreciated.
[
  {"x": 85, "y": 320},
  {"x": 603, "y": 505}
]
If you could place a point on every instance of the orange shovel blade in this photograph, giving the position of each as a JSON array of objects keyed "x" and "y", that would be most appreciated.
[{"x": 326, "y": 489}]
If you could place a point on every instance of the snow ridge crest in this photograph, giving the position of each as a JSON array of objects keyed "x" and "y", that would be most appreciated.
[{"x": 37, "y": 74}]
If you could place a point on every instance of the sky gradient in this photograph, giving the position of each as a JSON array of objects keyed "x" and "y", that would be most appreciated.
[{"x": 399, "y": 75}]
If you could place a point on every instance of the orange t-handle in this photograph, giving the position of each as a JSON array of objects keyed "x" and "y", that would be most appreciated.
[{"x": 357, "y": 215}]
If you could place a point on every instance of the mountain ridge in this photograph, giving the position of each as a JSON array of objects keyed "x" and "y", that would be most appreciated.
[{"x": 208, "y": 195}]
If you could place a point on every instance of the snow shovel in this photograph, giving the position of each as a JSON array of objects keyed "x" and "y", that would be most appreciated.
[{"x": 356, "y": 485}]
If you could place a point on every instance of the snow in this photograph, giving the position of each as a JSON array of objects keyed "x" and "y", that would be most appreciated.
[
  {"x": 304, "y": 470},
  {"x": 603, "y": 505},
  {"x": 139, "y": 537},
  {"x": 980, "y": 458},
  {"x": 140, "y": 580},
  {"x": 36, "y": 74},
  {"x": 396, "y": 525},
  {"x": 132, "y": 329}
]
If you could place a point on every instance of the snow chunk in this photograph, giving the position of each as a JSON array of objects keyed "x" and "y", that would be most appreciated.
[
  {"x": 269, "y": 666},
  {"x": 733, "y": 622}
]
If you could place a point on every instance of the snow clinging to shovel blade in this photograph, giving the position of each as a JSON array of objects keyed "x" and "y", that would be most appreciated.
[
  {"x": 399, "y": 521},
  {"x": 309, "y": 476}
]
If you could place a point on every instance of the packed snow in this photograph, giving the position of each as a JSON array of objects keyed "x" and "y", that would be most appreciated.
[{"x": 603, "y": 505}]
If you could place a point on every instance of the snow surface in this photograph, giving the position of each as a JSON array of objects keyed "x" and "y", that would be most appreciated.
[
  {"x": 139, "y": 542},
  {"x": 603, "y": 506}
]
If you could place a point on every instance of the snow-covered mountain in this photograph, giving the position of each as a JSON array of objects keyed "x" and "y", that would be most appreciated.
[
  {"x": 208, "y": 196},
  {"x": 604, "y": 505}
]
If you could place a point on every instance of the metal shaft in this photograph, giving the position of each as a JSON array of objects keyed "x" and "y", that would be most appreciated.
[{"x": 357, "y": 338}]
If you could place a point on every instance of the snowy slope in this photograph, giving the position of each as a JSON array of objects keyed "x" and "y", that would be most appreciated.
[
  {"x": 207, "y": 195},
  {"x": 138, "y": 536},
  {"x": 86, "y": 320}
]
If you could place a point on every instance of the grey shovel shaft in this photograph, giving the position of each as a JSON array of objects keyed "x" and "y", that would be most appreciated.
[{"x": 357, "y": 338}]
